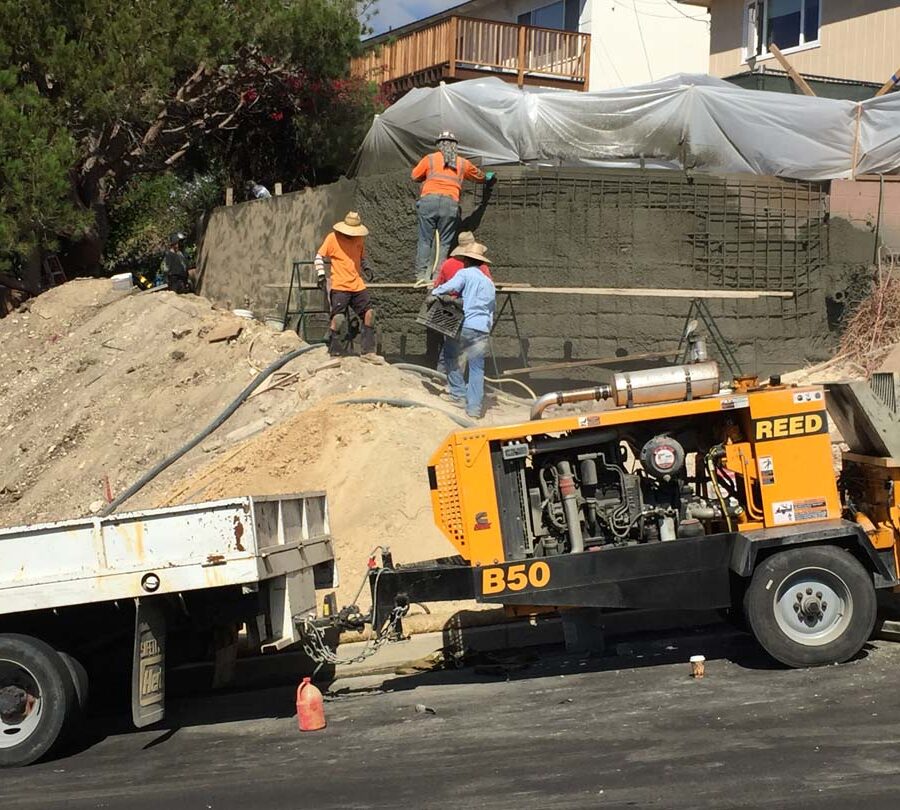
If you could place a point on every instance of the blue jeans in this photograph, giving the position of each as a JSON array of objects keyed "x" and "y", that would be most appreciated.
[
  {"x": 440, "y": 213},
  {"x": 471, "y": 346}
]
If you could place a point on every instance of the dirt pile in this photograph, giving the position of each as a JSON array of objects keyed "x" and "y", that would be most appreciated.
[
  {"x": 99, "y": 386},
  {"x": 370, "y": 459}
]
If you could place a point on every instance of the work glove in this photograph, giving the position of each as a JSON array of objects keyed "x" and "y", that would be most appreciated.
[
  {"x": 320, "y": 279},
  {"x": 490, "y": 177}
]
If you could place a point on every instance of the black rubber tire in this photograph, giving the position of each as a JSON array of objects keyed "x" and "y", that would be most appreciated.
[
  {"x": 57, "y": 695},
  {"x": 80, "y": 681},
  {"x": 759, "y": 606}
]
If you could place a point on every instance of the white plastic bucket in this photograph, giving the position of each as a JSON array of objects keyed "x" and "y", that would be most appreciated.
[{"x": 122, "y": 281}]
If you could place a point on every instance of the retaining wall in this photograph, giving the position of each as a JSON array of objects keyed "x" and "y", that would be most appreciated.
[{"x": 582, "y": 228}]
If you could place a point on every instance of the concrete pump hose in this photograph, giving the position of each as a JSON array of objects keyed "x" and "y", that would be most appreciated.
[
  {"x": 510, "y": 381},
  {"x": 406, "y": 403},
  {"x": 167, "y": 462},
  {"x": 438, "y": 375}
]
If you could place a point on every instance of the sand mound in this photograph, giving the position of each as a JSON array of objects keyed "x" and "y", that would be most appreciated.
[
  {"x": 370, "y": 459},
  {"x": 99, "y": 386}
]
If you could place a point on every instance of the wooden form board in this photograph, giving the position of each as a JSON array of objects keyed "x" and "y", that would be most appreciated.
[{"x": 624, "y": 292}]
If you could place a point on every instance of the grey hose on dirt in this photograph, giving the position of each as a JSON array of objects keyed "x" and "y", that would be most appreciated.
[
  {"x": 406, "y": 403},
  {"x": 439, "y": 375},
  {"x": 167, "y": 462}
]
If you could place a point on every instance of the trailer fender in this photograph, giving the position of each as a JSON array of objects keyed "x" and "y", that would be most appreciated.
[{"x": 748, "y": 549}]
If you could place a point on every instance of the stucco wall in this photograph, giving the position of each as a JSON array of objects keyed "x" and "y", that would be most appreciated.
[
  {"x": 857, "y": 40},
  {"x": 247, "y": 246},
  {"x": 627, "y": 229},
  {"x": 857, "y": 201},
  {"x": 583, "y": 228}
]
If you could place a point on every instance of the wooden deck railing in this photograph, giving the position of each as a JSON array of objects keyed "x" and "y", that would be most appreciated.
[{"x": 460, "y": 46}]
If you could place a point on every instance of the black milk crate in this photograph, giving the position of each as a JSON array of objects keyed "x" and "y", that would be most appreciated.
[{"x": 442, "y": 315}]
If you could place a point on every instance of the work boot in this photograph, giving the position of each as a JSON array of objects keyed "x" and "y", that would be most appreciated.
[
  {"x": 367, "y": 339},
  {"x": 334, "y": 345}
]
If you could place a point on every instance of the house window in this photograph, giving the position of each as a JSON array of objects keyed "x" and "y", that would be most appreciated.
[
  {"x": 786, "y": 23},
  {"x": 562, "y": 15}
]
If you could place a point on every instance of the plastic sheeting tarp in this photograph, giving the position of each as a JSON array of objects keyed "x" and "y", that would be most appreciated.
[{"x": 685, "y": 121}]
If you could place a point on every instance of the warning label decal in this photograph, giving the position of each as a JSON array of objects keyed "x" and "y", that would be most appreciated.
[{"x": 797, "y": 511}]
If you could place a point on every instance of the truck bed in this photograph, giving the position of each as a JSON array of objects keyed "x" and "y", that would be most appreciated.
[{"x": 238, "y": 541}]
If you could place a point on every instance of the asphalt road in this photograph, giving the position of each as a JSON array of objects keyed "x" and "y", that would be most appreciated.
[{"x": 626, "y": 730}]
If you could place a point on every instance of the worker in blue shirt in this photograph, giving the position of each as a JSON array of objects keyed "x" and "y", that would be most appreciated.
[{"x": 479, "y": 301}]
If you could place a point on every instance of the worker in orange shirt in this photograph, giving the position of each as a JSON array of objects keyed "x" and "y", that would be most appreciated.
[
  {"x": 345, "y": 246},
  {"x": 442, "y": 174}
]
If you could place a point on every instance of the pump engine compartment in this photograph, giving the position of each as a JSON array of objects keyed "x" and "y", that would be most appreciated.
[{"x": 616, "y": 486}]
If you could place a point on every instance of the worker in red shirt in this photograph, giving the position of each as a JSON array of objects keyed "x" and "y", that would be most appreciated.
[
  {"x": 442, "y": 174},
  {"x": 453, "y": 265}
]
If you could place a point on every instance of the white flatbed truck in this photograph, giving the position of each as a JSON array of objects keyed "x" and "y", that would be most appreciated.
[{"x": 121, "y": 596}]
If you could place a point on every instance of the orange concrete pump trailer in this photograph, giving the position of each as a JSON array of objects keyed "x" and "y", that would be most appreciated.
[{"x": 682, "y": 497}]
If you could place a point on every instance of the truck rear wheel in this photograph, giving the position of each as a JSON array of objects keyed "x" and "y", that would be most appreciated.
[
  {"x": 37, "y": 697},
  {"x": 811, "y": 606}
]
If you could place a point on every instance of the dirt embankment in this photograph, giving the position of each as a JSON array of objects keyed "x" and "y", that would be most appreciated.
[{"x": 98, "y": 386}]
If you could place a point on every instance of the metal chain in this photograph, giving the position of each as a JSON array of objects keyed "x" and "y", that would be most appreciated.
[{"x": 316, "y": 647}]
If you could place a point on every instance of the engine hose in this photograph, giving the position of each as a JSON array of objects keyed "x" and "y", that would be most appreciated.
[
  {"x": 406, "y": 403},
  {"x": 424, "y": 371},
  {"x": 167, "y": 462}
]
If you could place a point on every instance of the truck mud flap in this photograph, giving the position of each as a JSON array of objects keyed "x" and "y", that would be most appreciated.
[{"x": 148, "y": 680}]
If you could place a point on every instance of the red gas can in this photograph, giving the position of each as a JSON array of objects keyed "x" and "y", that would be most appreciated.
[{"x": 310, "y": 707}]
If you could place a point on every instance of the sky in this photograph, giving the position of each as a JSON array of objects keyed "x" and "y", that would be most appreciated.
[{"x": 392, "y": 13}]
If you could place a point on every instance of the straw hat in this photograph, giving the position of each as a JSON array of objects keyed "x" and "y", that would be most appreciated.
[
  {"x": 352, "y": 225},
  {"x": 473, "y": 251},
  {"x": 464, "y": 238}
]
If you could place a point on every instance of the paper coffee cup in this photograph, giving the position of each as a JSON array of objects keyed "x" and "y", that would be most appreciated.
[{"x": 698, "y": 665}]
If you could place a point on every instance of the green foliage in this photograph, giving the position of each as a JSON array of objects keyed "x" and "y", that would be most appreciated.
[
  {"x": 149, "y": 208},
  {"x": 35, "y": 156},
  {"x": 109, "y": 90}
]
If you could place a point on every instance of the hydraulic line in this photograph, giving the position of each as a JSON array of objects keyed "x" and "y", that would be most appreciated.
[
  {"x": 167, "y": 462},
  {"x": 712, "y": 474}
]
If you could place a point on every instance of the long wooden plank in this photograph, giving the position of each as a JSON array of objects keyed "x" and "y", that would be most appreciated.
[
  {"x": 598, "y": 361},
  {"x": 623, "y": 292},
  {"x": 895, "y": 79},
  {"x": 615, "y": 292},
  {"x": 791, "y": 71}
]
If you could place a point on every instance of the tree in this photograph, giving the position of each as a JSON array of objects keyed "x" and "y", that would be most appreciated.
[
  {"x": 131, "y": 87},
  {"x": 35, "y": 157}
]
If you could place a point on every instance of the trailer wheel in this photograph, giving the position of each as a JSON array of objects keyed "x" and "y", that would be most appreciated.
[
  {"x": 37, "y": 696},
  {"x": 811, "y": 606}
]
